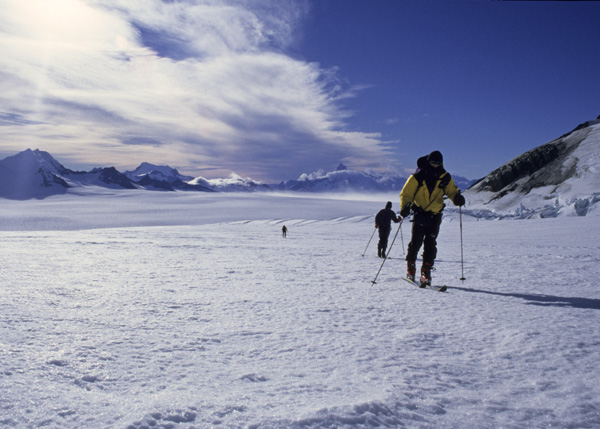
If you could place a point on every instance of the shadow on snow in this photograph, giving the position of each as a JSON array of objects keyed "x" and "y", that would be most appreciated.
[{"x": 542, "y": 300}]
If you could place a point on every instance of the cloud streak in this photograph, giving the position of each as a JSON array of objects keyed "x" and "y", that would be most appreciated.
[{"x": 205, "y": 86}]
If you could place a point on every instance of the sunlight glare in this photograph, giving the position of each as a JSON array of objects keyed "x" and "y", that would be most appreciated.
[{"x": 63, "y": 22}]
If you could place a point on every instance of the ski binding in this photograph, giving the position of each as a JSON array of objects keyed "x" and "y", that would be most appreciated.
[{"x": 432, "y": 287}]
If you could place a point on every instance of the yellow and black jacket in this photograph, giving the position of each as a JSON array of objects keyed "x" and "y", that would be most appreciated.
[{"x": 417, "y": 191}]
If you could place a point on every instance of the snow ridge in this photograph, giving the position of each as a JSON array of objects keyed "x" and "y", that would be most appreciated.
[{"x": 559, "y": 178}]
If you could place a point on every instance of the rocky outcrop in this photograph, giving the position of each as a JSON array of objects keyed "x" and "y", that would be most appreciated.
[{"x": 559, "y": 177}]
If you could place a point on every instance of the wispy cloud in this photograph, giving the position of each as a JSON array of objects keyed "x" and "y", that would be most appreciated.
[
  {"x": 201, "y": 85},
  {"x": 8, "y": 119}
]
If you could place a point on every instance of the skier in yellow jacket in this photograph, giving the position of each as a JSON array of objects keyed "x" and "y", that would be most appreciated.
[{"x": 423, "y": 194}]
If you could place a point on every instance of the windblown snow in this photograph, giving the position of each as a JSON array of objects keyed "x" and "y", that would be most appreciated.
[{"x": 190, "y": 310}]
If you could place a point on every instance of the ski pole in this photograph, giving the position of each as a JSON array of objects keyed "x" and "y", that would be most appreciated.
[
  {"x": 388, "y": 252},
  {"x": 402, "y": 238},
  {"x": 374, "y": 229},
  {"x": 462, "y": 267}
]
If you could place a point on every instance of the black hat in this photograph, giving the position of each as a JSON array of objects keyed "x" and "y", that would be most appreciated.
[
  {"x": 436, "y": 157},
  {"x": 388, "y": 205}
]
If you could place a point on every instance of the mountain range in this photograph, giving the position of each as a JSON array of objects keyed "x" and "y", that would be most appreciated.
[
  {"x": 561, "y": 177},
  {"x": 36, "y": 174}
]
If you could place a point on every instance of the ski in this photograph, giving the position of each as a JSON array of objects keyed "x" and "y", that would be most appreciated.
[{"x": 432, "y": 287}]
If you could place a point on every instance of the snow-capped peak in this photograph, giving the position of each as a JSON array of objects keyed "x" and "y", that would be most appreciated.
[
  {"x": 33, "y": 161},
  {"x": 31, "y": 174},
  {"x": 157, "y": 172},
  {"x": 231, "y": 184}
]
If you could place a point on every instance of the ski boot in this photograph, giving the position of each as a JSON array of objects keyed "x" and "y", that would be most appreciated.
[
  {"x": 411, "y": 270},
  {"x": 426, "y": 274}
]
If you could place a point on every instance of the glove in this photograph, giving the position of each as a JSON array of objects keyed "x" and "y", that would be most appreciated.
[
  {"x": 459, "y": 200},
  {"x": 405, "y": 212}
]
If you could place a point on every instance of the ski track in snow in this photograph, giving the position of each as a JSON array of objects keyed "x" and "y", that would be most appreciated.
[{"x": 230, "y": 325}]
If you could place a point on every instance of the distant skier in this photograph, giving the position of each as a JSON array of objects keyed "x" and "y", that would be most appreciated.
[
  {"x": 284, "y": 231},
  {"x": 423, "y": 194},
  {"x": 383, "y": 222}
]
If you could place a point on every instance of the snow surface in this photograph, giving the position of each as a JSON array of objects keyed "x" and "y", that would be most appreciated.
[{"x": 186, "y": 310}]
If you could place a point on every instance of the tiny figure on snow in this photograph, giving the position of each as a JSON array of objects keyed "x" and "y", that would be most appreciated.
[
  {"x": 284, "y": 231},
  {"x": 423, "y": 195},
  {"x": 383, "y": 222}
]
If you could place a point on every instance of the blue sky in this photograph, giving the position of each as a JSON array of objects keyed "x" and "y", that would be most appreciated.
[{"x": 273, "y": 89}]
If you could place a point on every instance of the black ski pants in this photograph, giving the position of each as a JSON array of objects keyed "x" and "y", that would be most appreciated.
[
  {"x": 384, "y": 234},
  {"x": 425, "y": 233}
]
